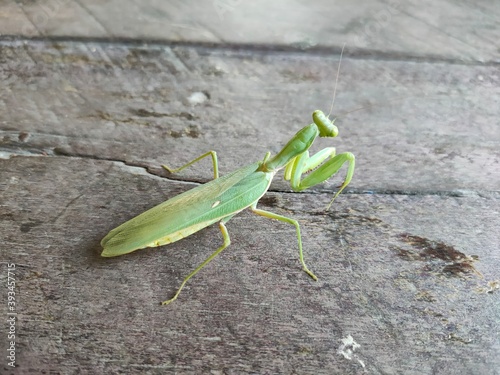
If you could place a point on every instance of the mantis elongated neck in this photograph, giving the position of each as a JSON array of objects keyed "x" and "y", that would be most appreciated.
[{"x": 300, "y": 143}]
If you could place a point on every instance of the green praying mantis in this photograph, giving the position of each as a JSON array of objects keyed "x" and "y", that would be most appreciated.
[{"x": 223, "y": 197}]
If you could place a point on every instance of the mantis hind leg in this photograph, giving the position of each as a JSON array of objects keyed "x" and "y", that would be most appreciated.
[
  {"x": 214, "y": 162},
  {"x": 227, "y": 242},
  {"x": 295, "y": 223}
]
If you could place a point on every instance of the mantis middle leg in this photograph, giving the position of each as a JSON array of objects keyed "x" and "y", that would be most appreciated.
[{"x": 214, "y": 162}]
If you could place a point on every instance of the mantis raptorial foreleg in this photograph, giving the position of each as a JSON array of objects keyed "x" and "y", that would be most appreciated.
[
  {"x": 227, "y": 242},
  {"x": 303, "y": 163},
  {"x": 306, "y": 164},
  {"x": 285, "y": 219},
  {"x": 214, "y": 162}
]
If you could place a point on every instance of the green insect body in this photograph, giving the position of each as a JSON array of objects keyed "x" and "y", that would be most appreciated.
[
  {"x": 222, "y": 198},
  {"x": 187, "y": 213}
]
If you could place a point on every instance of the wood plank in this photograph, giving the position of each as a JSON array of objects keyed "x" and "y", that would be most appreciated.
[
  {"x": 86, "y": 126},
  {"x": 132, "y": 104},
  {"x": 461, "y": 31},
  {"x": 397, "y": 274},
  {"x": 408, "y": 258}
]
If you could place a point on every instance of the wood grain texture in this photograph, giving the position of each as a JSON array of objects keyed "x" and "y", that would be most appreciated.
[
  {"x": 408, "y": 258},
  {"x": 386, "y": 277},
  {"x": 458, "y": 30},
  {"x": 132, "y": 104}
]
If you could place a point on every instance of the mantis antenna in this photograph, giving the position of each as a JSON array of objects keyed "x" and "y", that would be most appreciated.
[{"x": 336, "y": 81}]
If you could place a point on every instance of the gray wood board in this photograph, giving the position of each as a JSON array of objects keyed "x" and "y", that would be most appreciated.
[
  {"x": 396, "y": 273},
  {"x": 408, "y": 259},
  {"x": 132, "y": 104},
  {"x": 459, "y": 30}
]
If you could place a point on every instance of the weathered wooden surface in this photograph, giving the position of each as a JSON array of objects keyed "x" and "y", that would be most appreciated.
[
  {"x": 132, "y": 104},
  {"x": 253, "y": 310},
  {"x": 408, "y": 259},
  {"x": 459, "y": 30}
]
